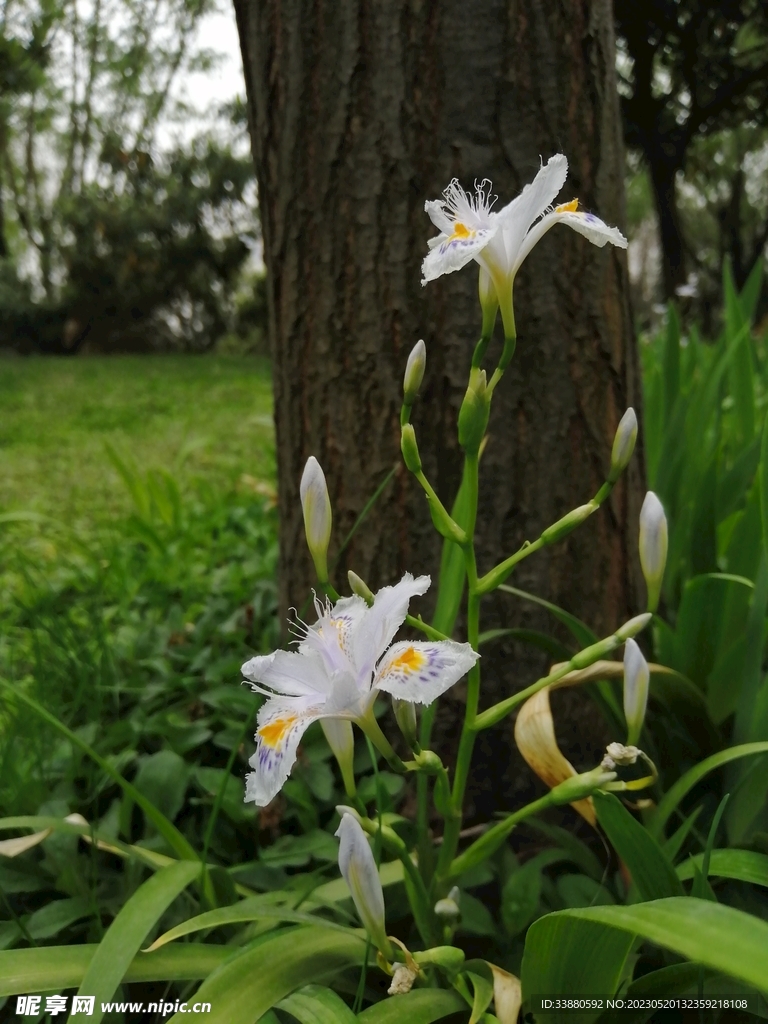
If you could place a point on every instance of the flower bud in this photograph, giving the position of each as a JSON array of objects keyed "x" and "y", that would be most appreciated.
[
  {"x": 569, "y": 522},
  {"x": 633, "y": 626},
  {"x": 653, "y": 546},
  {"x": 450, "y": 958},
  {"x": 429, "y": 761},
  {"x": 623, "y": 444},
  {"x": 410, "y": 448},
  {"x": 316, "y": 506},
  {"x": 448, "y": 909},
  {"x": 636, "y": 679},
  {"x": 414, "y": 372},
  {"x": 359, "y": 869},
  {"x": 405, "y": 716},
  {"x": 474, "y": 412},
  {"x": 578, "y": 787},
  {"x": 360, "y": 587},
  {"x": 341, "y": 740}
]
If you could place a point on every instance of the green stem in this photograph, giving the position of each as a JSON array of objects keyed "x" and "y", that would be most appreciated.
[
  {"x": 372, "y": 730},
  {"x": 392, "y": 842},
  {"x": 496, "y": 576},
  {"x": 417, "y": 622},
  {"x": 582, "y": 659},
  {"x": 467, "y": 740},
  {"x": 444, "y": 522},
  {"x": 329, "y": 590},
  {"x": 491, "y": 840}
]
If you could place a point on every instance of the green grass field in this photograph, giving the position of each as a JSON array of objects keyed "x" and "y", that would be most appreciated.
[
  {"x": 137, "y": 560},
  {"x": 206, "y": 417}
]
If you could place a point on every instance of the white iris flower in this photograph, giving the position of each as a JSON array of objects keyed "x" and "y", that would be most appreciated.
[
  {"x": 500, "y": 241},
  {"x": 342, "y": 661}
]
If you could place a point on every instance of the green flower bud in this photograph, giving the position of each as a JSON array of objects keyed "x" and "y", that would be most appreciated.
[
  {"x": 448, "y": 957},
  {"x": 579, "y": 787},
  {"x": 410, "y": 448},
  {"x": 429, "y": 761},
  {"x": 636, "y": 680},
  {"x": 623, "y": 444},
  {"x": 360, "y": 587},
  {"x": 414, "y": 372},
  {"x": 593, "y": 653},
  {"x": 405, "y": 716},
  {"x": 569, "y": 522},
  {"x": 316, "y": 507},
  {"x": 632, "y": 627},
  {"x": 474, "y": 412},
  {"x": 653, "y": 547}
]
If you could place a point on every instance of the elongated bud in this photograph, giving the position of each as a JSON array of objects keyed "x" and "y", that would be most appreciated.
[
  {"x": 474, "y": 412},
  {"x": 450, "y": 958},
  {"x": 633, "y": 626},
  {"x": 316, "y": 506},
  {"x": 587, "y": 657},
  {"x": 653, "y": 547},
  {"x": 341, "y": 740},
  {"x": 636, "y": 679},
  {"x": 358, "y": 867},
  {"x": 623, "y": 444},
  {"x": 569, "y": 522},
  {"x": 360, "y": 587},
  {"x": 405, "y": 715},
  {"x": 410, "y": 448},
  {"x": 414, "y": 372},
  {"x": 579, "y": 787}
]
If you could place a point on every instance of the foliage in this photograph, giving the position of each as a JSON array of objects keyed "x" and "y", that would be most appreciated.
[
  {"x": 127, "y": 240},
  {"x": 690, "y": 71},
  {"x": 713, "y": 397}
]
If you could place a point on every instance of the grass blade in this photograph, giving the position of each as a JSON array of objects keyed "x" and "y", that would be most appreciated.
[{"x": 129, "y": 929}]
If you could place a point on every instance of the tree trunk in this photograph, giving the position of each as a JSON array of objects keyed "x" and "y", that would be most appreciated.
[
  {"x": 663, "y": 173},
  {"x": 359, "y": 112}
]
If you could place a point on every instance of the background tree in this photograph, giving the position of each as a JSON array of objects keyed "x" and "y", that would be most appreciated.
[
  {"x": 359, "y": 112},
  {"x": 126, "y": 235},
  {"x": 691, "y": 71}
]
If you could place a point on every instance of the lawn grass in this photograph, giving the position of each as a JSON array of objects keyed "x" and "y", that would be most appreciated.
[
  {"x": 134, "y": 584},
  {"x": 199, "y": 417}
]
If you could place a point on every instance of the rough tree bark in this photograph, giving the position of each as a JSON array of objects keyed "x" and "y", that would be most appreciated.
[{"x": 359, "y": 111}]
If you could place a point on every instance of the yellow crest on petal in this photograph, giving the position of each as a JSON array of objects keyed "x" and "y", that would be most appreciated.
[
  {"x": 571, "y": 207},
  {"x": 273, "y": 732},
  {"x": 409, "y": 661}
]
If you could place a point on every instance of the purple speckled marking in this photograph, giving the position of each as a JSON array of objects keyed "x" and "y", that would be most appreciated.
[{"x": 456, "y": 242}]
